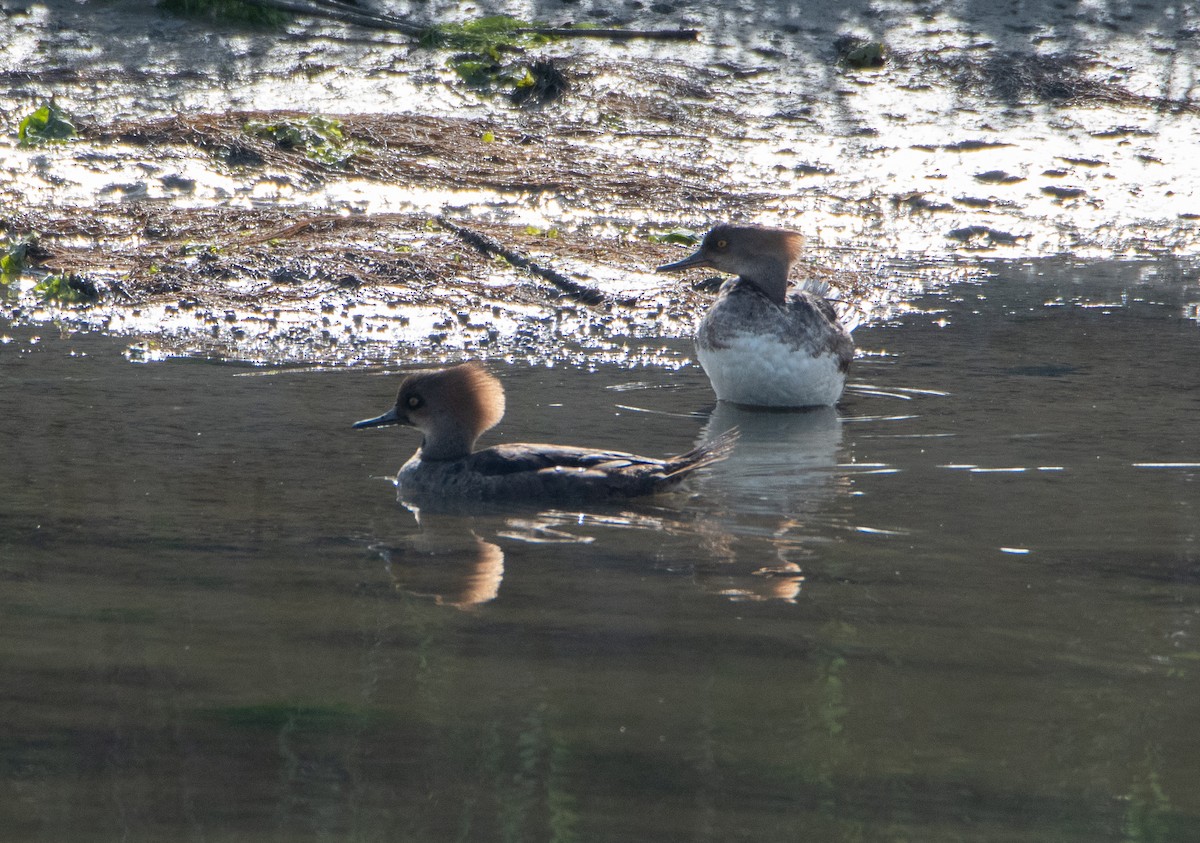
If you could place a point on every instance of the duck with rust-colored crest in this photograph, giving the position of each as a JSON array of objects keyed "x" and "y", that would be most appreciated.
[
  {"x": 453, "y": 407},
  {"x": 759, "y": 344}
]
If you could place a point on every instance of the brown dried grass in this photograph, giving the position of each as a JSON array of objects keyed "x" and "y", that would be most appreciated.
[{"x": 459, "y": 153}]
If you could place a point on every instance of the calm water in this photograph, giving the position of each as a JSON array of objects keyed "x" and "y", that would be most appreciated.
[{"x": 963, "y": 607}]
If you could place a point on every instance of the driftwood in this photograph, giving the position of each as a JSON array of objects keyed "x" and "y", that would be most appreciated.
[
  {"x": 615, "y": 34},
  {"x": 489, "y": 246},
  {"x": 344, "y": 13}
]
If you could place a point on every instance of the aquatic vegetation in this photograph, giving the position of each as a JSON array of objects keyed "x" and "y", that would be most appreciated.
[
  {"x": 683, "y": 236},
  {"x": 543, "y": 82},
  {"x": 479, "y": 72},
  {"x": 487, "y": 36},
  {"x": 49, "y": 124},
  {"x": 860, "y": 53},
  {"x": 319, "y": 138},
  {"x": 12, "y": 259},
  {"x": 66, "y": 288},
  {"x": 481, "y": 66},
  {"x": 228, "y": 11},
  {"x": 539, "y": 81}
]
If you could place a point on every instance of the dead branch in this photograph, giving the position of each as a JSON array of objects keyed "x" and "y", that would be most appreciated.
[
  {"x": 615, "y": 34},
  {"x": 489, "y": 246}
]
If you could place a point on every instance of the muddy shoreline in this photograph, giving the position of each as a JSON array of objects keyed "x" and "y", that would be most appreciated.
[{"x": 980, "y": 138}]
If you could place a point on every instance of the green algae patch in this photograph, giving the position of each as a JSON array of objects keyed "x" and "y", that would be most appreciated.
[
  {"x": 489, "y": 35},
  {"x": 860, "y": 53},
  {"x": 319, "y": 138},
  {"x": 682, "y": 236},
  {"x": 12, "y": 260},
  {"x": 49, "y": 124},
  {"x": 485, "y": 62},
  {"x": 537, "y": 82},
  {"x": 66, "y": 288},
  {"x": 24, "y": 255}
]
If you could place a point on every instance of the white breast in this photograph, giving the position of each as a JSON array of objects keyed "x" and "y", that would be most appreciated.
[{"x": 759, "y": 370}]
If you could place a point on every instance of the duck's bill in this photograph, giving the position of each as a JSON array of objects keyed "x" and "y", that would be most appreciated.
[
  {"x": 390, "y": 417},
  {"x": 697, "y": 259}
]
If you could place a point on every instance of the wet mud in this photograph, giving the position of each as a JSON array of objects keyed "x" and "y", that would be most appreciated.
[{"x": 182, "y": 210}]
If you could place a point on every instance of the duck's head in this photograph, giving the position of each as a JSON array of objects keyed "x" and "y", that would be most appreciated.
[
  {"x": 758, "y": 254},
  {"x": 451, "y": 407}
]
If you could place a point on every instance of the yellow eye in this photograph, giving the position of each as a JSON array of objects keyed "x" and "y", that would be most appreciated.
[
  {"x": 721, "y": 244},
  {"x": 414, "y": 402}
]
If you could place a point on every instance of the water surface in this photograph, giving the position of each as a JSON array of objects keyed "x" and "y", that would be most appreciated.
[{"x": 962, "y": 607}]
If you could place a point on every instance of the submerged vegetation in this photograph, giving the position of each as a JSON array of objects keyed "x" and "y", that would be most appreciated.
[
  {"x": 536, "y": 82},
  {"x": 490, "y": 55}
]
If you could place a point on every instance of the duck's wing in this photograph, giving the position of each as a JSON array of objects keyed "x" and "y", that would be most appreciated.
[
  {"x": 513, "y": 459},
  {"x": 556, "y": 470},
  {"x": 802, "y": 303}
]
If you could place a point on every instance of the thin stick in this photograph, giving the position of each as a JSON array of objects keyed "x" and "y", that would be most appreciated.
[
  {"x": 615, "y": 34},
  {"x": 489, "y": 246}
]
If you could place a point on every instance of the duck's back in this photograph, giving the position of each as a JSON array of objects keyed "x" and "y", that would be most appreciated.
[
  {"x": 759, "y": 353},
  {"x": 550, "y": 472}
]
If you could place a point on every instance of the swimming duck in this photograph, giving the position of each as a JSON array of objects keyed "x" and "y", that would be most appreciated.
[
  {"x": 759, "y": 345},
  {"x": 453, "y": 407}
]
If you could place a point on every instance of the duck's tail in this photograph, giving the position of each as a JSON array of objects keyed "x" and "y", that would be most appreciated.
[{"x": 702, "y": 455}]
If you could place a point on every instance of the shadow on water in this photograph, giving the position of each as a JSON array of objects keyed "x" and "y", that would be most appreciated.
[{"x": 964, "y": 605}]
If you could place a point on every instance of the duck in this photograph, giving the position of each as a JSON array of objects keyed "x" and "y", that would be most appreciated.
[
  {"x": 760, "y": 345},
  {"x": 453, "y": 407}
]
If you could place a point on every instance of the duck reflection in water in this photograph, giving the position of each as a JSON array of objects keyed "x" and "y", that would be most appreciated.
[
  {"x": 446, "y": 561},
  {"x": 780, "y": 477}
]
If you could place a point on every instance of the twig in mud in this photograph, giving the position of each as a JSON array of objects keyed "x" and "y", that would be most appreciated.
[
  {"x": 614, "y": 34},
  {"x": 329, "y": 222},
  {"x": 489, "y": 246}
]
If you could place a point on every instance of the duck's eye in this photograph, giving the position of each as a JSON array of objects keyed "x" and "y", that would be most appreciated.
[
  {"x": 415, "y": 402},
  {"x": 721, "y": 244}
]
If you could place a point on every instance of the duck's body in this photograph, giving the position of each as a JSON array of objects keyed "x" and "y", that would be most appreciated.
[
  {"x": 453, "y": 407},
  {"x": 758, "y": 352},
  {"x": 758, "y": 344},
  {"x": 536, "y": 471}
]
